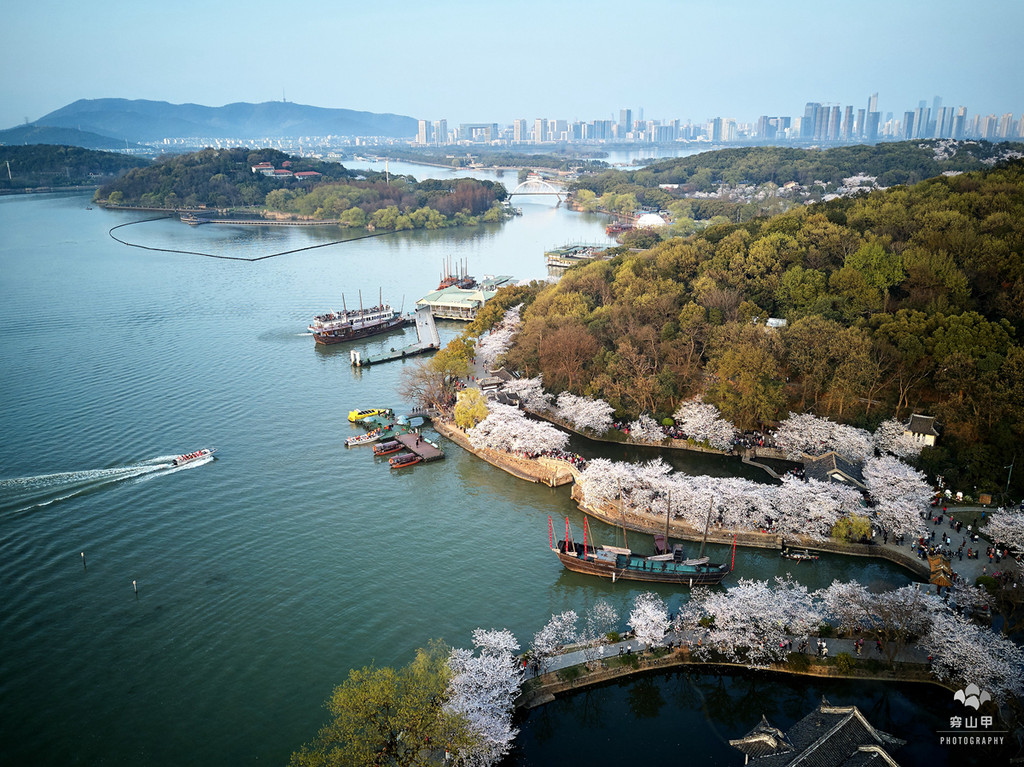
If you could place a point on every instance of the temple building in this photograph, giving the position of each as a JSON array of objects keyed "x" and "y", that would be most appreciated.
[{"x": 832, "y": 736}]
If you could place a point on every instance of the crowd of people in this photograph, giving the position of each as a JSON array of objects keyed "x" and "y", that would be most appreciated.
[{"x": 576, "y": 460}]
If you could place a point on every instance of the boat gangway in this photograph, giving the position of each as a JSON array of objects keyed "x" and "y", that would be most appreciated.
[{"x": 427, "y": 341}]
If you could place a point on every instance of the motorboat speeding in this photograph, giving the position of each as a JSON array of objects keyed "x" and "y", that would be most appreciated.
[{"x": 198, "y": 455}]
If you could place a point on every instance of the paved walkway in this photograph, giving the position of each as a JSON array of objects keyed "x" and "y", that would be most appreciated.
[{"x": 909, "y": 654}]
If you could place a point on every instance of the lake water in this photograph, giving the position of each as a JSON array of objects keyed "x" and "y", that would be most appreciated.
[{"x": 265, "y": 575}]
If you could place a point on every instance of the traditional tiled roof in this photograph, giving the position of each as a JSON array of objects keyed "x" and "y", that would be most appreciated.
[
  {"x": 830, "y": 736},
  {"x": 832, "y": 466},
  {"x": 922, "y": 424}
]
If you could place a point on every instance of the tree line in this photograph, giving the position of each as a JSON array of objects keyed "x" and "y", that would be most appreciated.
[
  {"x": 223, "y": 179},
  {"x": 49, "y": 165}
]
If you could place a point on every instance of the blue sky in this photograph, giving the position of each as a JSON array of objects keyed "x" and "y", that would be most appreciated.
[{"x": 487, "y": 61}]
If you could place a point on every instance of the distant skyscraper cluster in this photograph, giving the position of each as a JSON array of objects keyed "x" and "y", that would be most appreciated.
[{"x": 821, "y": 123}]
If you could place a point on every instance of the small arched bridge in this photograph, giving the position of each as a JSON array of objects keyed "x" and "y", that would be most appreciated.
[{"x": 538, "y": 186}]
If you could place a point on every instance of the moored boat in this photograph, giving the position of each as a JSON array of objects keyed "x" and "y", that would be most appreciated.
[
  {"x": 369, "y": 438},
  {"x": 403, "y": 460},
  {"x": 360, "y": 415},
  {"x": 350, "y": 324},
  {"x": 386, "y": 448},
  {"x": 799, "y": 555},
  {"x": 198, "y": 455}
]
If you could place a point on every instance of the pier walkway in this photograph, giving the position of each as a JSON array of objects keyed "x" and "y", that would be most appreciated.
[
  {"x": 424, "y": 448},
  {"x": 427, "y": 337}
]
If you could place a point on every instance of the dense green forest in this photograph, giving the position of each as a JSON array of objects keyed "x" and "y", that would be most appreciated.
[
  {"x": 47, "y": 165},
  {"x": 223, "y": 179},
  {"x": 906, "y": 162},
  {"x": 899, "y": 301}
]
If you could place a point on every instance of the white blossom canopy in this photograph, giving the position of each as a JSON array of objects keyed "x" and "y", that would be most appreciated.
[
  {"x": 530, "y": 392},
  {"x": 483, "y": 690},
  {"x": 560, "y": 630},
  {"x": 704, "y": 423},
  {"x": 899, "y": 492},
  {"x": 499, "y": 340},
  {"x": 891, "y": 437},
  {"x": 508, "y": 429},
  {"x": 585, "y": 414},
  {"x": 646, "y": 429},
  {"x": 966, "y": 653},
  {"x": 649, "y": 619},
  {"x": 1006, "y": 526},
  {"x": 791, "y": 508},
  {"x": 810, "y": 435}
]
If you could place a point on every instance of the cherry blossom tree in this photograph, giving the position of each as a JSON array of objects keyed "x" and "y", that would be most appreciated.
[
  {"x": 585, "y": 414},
  {"x": 1006, "y": 526},
  {"x": 812, "y": 508},
  {"x": 899, "y": 493},
  {"x": 499, "y": 340},
  {"x": 704, "y": 423},
  {"x": 530, "y": 392},
  {"x": 966, "y": 653},
  {"x": 602, "y": 619},
  {"x": 649, "y": 619},
  {"x": 559, "y": 631},
  {"x": 752, "y": 621},
  {"x": 482, "y": 690},
  {"x": 646, "y": 429},
  {"x": 506, "y": 428},
  {"x": 892, "y": 616},
  {"x": 803, "y": 433},
  {"x": 891, "y": 437}
]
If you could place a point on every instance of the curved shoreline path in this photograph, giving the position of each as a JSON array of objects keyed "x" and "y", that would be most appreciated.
[{"x": 233, "y": 258}]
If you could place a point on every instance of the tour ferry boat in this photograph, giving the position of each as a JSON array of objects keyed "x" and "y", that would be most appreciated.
[
  {"x": 198, "y": 455},
  {"x": 403, "y": 460},
  {"x": 348, "y": 325}
]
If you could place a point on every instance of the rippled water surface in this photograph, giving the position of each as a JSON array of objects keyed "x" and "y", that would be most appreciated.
[{"x": 265, "y": 575}]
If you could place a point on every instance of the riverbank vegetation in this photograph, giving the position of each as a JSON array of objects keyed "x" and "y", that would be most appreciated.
[
  {"x": 225, "y": 179},
  {"x": 447, "y": 704},
  {"x": 900, "y": 301},
  {"x": 50, "y": 166}
]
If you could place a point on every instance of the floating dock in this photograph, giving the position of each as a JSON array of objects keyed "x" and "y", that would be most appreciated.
[
  {"x": 421, "y": 446},
  {"x": 427, "y": 341}
]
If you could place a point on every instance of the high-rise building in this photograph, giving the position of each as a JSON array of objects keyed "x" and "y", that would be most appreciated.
[
  {"x": 960, "y": 123},
  {"x": 540, "y": 130},
  {"x": 873, "y": 103},
  {"x": 625, "y": 123},
  {"x": 874, "y": 118},
  {"x": 808, "y": 125},
  {"x": 1006, "y": 126},
  {"x": 716, "y": 130},
  {"x": 834, "y": 124},
  {"x": 860, "y": 128},
  {"x": 601, "y": 130},
  {"x": 908, "y": 125},
  {"x": 425, "y": 133},
  {"x": 440, "y": 133},
  {"x": 848, "y": 123},
  {"x": 520, "y": 131},
  {"x": 560, "y": 131}
]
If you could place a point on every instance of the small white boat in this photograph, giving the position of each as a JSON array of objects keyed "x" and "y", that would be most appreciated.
[{"x": 198, "y": 455}]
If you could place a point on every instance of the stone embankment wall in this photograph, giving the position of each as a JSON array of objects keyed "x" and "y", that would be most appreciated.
[{"x": 547, "y": 471}]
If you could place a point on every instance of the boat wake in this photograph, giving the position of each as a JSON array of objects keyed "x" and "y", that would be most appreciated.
[{"x": 27, "y": 493}]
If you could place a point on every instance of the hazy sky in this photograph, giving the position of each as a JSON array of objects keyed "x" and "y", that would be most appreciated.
[{"x": 496, "y": 61}]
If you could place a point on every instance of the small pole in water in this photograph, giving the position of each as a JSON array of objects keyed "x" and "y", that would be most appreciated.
[
  {"x": 135, "y": 586},
  {"x": 84, "y": 567}
]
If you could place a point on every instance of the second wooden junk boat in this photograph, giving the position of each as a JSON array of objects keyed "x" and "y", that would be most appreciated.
[{"x": 620, "y": 563}]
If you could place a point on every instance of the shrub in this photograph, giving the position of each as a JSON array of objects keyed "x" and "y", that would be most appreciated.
[
  {"x": 825, "y": 630},
  {"x": 613, "y": 637},
  {"x": 570, "y": 674},
  {"x": 844, "y": 662},
  {"x": 798, "y": 661}
]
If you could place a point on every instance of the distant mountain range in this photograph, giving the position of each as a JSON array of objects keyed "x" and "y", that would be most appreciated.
[{"x": 141, "y": 121}]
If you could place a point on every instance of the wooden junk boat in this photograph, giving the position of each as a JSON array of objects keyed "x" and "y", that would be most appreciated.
[{"x": 620, "y": 563}]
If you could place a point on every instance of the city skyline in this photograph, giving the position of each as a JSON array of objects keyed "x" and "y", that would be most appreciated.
[{"x": 463, "y": 62}]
